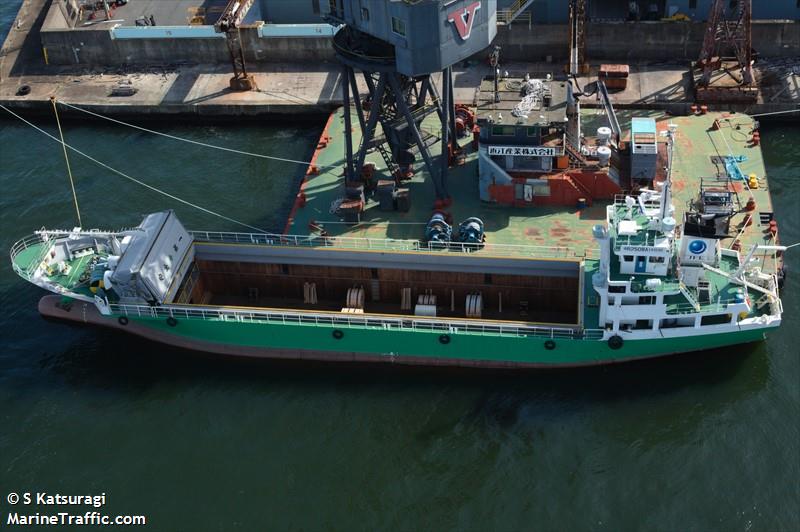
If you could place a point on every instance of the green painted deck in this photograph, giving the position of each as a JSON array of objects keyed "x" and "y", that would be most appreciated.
[
  {"x": 503, "y": 225},
  {"x": 697, "y": 147},
  {"x": 34, "y": 254}
]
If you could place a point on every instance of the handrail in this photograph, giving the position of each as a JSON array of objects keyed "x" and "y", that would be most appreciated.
[
  {"x": 23, "y": 244},
  {"x": 349, "y": 320},
  {"x": 689, "y": 308},
  {"x": 514, "y": 11},
  {"x": 381, "y": 244}
]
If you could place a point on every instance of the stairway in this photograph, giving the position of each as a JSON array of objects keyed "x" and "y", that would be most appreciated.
[
  {"x": 386, "y": 154},
  {"x": 514, "y": 11},
  {"x": 688, "y": 295},
  {"x": 576, "y": 158},
  {"x": 580, "y": 188}
]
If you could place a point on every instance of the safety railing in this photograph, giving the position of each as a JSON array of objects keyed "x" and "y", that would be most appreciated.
[
  {"x": 405, "y": 323},
  {"x": 382, "y": 244},
  {"x": 644, "y": 237},
  {"x": 642, "y": 287},
  {"x": 702, "y": 308},
  {"x": 515, "y": 12},
  {"x": 27, "y": 270}
]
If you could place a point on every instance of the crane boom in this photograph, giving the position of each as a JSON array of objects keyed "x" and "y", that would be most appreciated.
[{"x": 228, "y": 23}]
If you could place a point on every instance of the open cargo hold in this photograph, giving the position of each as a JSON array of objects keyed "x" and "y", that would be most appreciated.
[{"x": 424, "y": 284}]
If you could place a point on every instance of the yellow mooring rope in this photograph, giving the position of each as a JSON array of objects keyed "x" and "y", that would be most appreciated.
[{"x": 66, "y": 159}]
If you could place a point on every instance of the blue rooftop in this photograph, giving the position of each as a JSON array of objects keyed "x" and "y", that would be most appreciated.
[{"x": 643, "y": 125}]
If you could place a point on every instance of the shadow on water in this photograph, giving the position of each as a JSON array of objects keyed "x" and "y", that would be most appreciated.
[{"x": 107, "y": 360}]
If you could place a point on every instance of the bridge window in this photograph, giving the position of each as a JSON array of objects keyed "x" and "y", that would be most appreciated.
[
  {"x": 692, "y": 4},
  {"x": 616, "y": 289},
  {"x": 656, "y": 260},
  {"x": 715, "y": 319},
  {"x": 647, "y": 300},
  {"x": 627, "y": 258},
  {"x": 503, "y": 131},
  {"x": 398, "y": 26}
]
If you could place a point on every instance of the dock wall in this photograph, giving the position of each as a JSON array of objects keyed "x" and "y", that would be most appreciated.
[
  {"x": 637, "y": 41},
  {"x": 100, "y": 48},
  {"x": 311, "y": 43}
]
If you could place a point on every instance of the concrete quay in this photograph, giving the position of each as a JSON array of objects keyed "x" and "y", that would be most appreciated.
[{"x": 313, "y": 88}]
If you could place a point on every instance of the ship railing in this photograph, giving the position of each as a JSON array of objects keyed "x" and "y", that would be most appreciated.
[
  {"x": 21, "y": 245},
  {"x": 382, "y": 244},
  {"x": 665, "y": 286},
  {"x": 703, "y": 308},
  {"x": 593, "y": 334},
  {"x": 351, "y": 321}
]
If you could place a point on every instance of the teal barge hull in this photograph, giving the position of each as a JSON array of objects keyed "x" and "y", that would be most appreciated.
[{"x": 401, "y": 346}]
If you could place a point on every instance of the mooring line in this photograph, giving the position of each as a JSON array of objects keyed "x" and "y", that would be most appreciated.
[
  {"x": 133, "y": 179},
  {"x": 190, "y": 141}
]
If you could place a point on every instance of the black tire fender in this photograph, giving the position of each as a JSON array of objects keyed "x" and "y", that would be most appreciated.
[
  {"x": 122, "y": 320},
  {"x": 337, "y": 334},
  {"x": 444, "y": 339},
  {"x": 550, "y": 345},
  {"x": 615, "y": 342},
  {"x": 172, "y": 322}
]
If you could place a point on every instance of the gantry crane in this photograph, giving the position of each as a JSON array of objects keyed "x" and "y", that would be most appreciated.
[{"x": 728, "y": 37}]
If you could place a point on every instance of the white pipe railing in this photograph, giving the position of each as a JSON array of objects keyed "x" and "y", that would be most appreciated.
[
  {"x": 381, "y": 244},
  {"x": 340, "y": 320},
  {"x": 22, "y": 245}
]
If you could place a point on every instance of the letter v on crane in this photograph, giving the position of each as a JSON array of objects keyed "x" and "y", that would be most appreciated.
[{"x": 463, "y": 18}]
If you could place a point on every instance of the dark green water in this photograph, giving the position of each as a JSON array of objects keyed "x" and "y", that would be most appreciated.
[{"x": 707, "y": 441}]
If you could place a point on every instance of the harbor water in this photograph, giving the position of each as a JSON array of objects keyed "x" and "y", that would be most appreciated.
[{"x": 702, "y": 441}]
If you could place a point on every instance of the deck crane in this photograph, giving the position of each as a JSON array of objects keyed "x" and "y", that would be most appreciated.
[{"x": 228, "y": 23}]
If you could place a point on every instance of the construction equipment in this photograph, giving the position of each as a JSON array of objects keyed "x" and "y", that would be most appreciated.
[
  {"x": 397, "y": 56},
  {"x": 577, "y": 38},
  {"x": 470, "y": 231},
  {"x": 228, "y": 23},
  {"x": 438, "y": 231},
  {"x": 728, "y": 38}
]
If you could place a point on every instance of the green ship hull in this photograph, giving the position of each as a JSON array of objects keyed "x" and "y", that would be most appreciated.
[{"x": 377, "y": 344}]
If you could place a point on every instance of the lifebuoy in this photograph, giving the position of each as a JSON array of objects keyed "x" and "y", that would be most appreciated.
[
  {"x": 615, "y": 342},
  {"x": 172, "y": 322},
  {"x": 337, "y": 334},
  {"x": 123, "y": 320},
  {"x": 550, "y": 345},
  {"x": 444, "y": 339}
]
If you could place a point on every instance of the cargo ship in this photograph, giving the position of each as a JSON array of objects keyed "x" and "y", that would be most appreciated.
[
  {"x": 518, "y": 230},
  {"x": 644, "y": 288}
]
